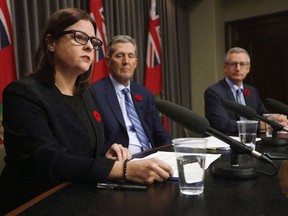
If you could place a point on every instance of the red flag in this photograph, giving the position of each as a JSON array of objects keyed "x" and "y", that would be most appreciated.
[
  {"x": 7, "y": 60},
  {"x": 100, "y": 69},
  {"x": 153, "y": 75}
]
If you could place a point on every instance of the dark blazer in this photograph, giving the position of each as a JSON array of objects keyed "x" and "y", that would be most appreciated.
[
  {"x": 223, "y": 119},
  {"x": 114, "y": 125},
  {"x": 46, "y": 142}
]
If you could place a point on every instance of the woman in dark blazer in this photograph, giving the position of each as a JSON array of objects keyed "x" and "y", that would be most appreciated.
[{"x": 53, "y": 129}]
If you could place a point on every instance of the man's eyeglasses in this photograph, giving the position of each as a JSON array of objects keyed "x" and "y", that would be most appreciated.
[
  {"x": 235, "y": 64},
  {"x": 82, "y": 38}
]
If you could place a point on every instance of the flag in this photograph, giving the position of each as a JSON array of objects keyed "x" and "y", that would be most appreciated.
[
  {"x": 7, "y": 60},
  {"x": 100, "y": 68},
  {"x": 153, "y": 75}
]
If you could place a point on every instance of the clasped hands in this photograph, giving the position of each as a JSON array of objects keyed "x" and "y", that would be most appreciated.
[
  {"x": 278, "y": 118},
  {"x": 146, "y": 171}
]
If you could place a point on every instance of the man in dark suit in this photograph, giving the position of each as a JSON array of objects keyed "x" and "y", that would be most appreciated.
[
  {"x": 236, "y": 68},
  {"x": 119, "y": 128}
]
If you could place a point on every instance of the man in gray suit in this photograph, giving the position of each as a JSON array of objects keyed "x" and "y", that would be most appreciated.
[{"x": 236, "y": 68}]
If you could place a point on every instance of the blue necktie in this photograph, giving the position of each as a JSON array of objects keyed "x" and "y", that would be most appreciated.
[
  {"x": 133, "y": 116},
  {"x": 239, "y": 100},
  {"x": 238, "y": 96}
]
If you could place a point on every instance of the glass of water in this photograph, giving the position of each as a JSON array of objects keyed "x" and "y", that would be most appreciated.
[
  {"x": 191, "y": 156},
  {"x": 247, "y": 132}
]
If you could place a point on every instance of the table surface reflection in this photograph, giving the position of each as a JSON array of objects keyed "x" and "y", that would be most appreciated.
[{"x": 263, "y": 195}]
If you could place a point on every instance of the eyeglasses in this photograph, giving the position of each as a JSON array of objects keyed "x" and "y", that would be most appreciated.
[
  {"x": 235, "y": 64},
  {"x": 82, "y": 38}
]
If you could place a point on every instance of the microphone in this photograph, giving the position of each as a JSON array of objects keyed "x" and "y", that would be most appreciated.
[
  {"x": 277, "y": 106},
  {"x": 250, "y": 113},
  {"x": 200, "y": 125}
]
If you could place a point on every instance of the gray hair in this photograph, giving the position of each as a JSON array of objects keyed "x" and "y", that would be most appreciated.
[
  {"x": 120, "y": 39},
  {"x": 236, "y": 50}
]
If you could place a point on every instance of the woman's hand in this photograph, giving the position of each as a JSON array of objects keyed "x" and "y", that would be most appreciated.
[
  {"x": 148, "y": 171},
  {"x": 118, "y": 152}
]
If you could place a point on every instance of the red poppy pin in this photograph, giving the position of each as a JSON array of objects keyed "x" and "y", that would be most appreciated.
[
  {"x": 97, "y": 116},
  {"x": 247, "y": 92},
  {"x": 138, "y": 97}
]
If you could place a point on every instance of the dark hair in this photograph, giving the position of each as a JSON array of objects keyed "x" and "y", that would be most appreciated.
[{"x": 43, "y": 67}]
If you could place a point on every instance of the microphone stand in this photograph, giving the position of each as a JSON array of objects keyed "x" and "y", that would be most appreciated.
[
  {"x": 234, "y": 170},
  {"x": 187, "y": 119},
  {"x": 250, "y": 113}
]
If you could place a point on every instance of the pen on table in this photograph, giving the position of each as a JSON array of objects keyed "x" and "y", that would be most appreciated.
[
  {"x": 121, "y": 186},
  {"x": 173, "y": 178}
]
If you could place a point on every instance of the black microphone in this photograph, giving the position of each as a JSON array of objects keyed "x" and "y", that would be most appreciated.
[
  {"x": 277, "y": 106},
  {"x": 250, "y": 113},
  {"x": 200, "y": 125}
]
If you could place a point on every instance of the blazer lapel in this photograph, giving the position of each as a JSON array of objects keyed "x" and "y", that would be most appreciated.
[
  {"x": 113, "y": 102},
  {"x": 90, "y": 106},
  {"x": 229, "y": 95},
  {"x": 137, "y": 100},
  {"x": 228, "y": 91},
  {"x": 248, "y": 99},
  {"x": 95, "y": 117}
]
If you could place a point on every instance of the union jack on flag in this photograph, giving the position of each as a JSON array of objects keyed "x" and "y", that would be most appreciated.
[
  {"x": 153, "y": 76},
  {"x": 7, "y": 62},
  {"x": 100, "y": 69},
  {"x": 5, "y": 39}
]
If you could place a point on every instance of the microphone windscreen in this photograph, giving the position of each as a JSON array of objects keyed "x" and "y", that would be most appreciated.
[
  {"x": 277, "y": 106},
  {"x": 242, "y": 110},
  {"x": 183, "y": 116}
]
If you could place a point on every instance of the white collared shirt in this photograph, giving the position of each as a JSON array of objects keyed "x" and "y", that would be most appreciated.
[
  {"x": 134, "y": 143},
  {"x": 234, "y": 88}
]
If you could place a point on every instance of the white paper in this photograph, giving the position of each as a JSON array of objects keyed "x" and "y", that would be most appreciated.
[
  {"x": 214, "y": 143},
  {"x": 170, "y": 158},
  {"x": 193, "y": 173}
]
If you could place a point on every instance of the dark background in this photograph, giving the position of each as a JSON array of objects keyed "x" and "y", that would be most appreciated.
[{"x": 266, "y": 40}]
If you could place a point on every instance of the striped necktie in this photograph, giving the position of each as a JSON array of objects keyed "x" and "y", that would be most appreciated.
[
  {"x": 133, "y": 116},
  {"x": 239, "y": 100},
  {"x": 238, "y": 96}
]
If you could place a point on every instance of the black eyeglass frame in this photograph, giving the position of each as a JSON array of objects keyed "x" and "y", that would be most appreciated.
[{"x": 98, "y": 43}]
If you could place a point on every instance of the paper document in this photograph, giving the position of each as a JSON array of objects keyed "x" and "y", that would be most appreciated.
[
  {"x": 214, "y": 143},
  {"x": 170, "y": 158}
]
